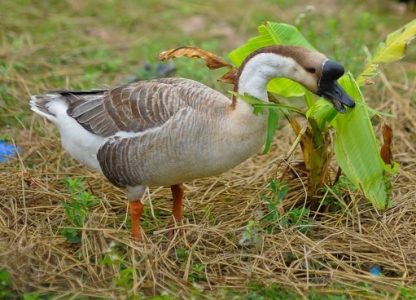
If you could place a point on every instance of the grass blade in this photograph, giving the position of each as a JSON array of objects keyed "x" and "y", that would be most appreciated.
[{"x": 272, "y": 123}]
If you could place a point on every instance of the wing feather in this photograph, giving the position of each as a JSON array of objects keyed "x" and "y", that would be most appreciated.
[
  {"x": 124, "y": 160},
  {"x": 139, "y": 106}
]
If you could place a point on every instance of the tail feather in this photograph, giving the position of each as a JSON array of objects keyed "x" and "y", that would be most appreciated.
[
  {"x": 56, "y": 102},
  {"x": 40, "y": 104}
]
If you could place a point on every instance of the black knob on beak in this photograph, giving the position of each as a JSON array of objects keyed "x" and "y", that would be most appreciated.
[
  {"x": 329, "y": 87},
  {"x": 332, "y": 70}
]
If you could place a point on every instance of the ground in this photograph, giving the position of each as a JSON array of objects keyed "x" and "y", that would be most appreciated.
[{"x": 64, "y": 230}]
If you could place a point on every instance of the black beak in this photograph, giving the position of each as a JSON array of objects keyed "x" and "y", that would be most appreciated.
[{"x": 330, "y": 89}]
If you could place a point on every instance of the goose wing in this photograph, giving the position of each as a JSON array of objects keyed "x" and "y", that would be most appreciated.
[
  {"x": 140, "y": 106},
  {"x": 130, "y": 160}
]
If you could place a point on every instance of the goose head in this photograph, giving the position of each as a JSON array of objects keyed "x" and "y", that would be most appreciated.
[{"x": 311, "y": 69}]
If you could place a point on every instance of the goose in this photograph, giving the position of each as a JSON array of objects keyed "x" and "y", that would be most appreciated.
[{"x": 166, "y": 131}]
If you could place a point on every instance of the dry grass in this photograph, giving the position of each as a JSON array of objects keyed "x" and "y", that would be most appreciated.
[
  {"x": 205, "y": 259},
  {"x": 335, "y": 253}
]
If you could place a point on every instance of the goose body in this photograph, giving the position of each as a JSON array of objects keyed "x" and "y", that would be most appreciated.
[
  {"x": 163, "y": 132},
  {"x": 187, "y": 131}
]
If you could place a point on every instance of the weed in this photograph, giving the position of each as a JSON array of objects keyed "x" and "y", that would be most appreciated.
[
  {"x": 125, "y": 278},
  {"x": 275, "y": 218},
  {"x": 112, "y": 258},
  {"x": 257, "y": 291},
  {"x": 251, "y": 234},
  {"x": 198, "y": 273},
  {"x": 299, "y": 217},
  {"x": 275, "y": 213},
  {"x": 6, "y": 291},
  {"x": 274, "y": 202},
  {"x": 6, "y": 96},
  {"x": 408, "y": 293},
  {"x": 210, "y": 215},
  {"x": 124, "y": 273},
  {"x": 76, "y": 209},
  {"x": 342, "y": 185},
  {"x": 315, "y": 143},
  {"x": 32, "y": 296},
  {"x": 181, "y": 254},
  {"x": 5, "y": 281},
  {"x": 338, "y": 191}
]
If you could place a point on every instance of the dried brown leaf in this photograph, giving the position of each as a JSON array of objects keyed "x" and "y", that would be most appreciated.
[
  {"x": 385, "y": 151},
  {"x": 230, "y": 77},
  {"x": 212, "y": 61}
]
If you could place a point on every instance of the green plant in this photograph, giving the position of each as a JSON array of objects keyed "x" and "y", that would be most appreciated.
[
  {"x": 332, "y": 194},
  {"x": 124, "y": 273},
  {"x": 76, "y": 209},
  {"x": 125, "y": 278},
  {"x": 257, "y": 291},
  {"x": 363, "y": 165},
  {"x": 181, "y": 254},
  {"x": 279, "y": 191},
  {"x": 408, "y": 293},
  {"x": 6, "y": 291},
  {"x": 276, "y": 217},
  {"x": 197, "y": 273},
  {"x": 5, "y": 281},
  {"x": 251, "y": 234},
  {"x": 32, "y": 296},
  {"x": 299, "y": 217},
  {"x": 274, "y": 206}
]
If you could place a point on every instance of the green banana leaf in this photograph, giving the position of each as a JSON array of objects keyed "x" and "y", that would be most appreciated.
[
  {"x": 357, "y": 150},
  {"x": 322, "y": 112},
  {"x": 393, "y": 49},
  {"x": 274, "y": 34},
  {"x": 356, "y": 146}
]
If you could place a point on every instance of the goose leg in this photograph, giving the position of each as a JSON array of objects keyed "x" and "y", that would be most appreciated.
[
  {"x": 136, "y": 211},
  {"x": 177, "y": 193}
]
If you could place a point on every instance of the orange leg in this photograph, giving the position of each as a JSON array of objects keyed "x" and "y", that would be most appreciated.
[
  {"x": 177, "y": 193},
  {"x": 136, "y": 210}
]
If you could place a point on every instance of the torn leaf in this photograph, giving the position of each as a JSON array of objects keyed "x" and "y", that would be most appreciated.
[
  {"x": 230, "y": 76},
  {"x": 212, "y": 61}
]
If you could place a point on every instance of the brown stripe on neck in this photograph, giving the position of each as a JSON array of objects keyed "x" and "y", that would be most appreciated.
[{"x": 295, "y": 52}]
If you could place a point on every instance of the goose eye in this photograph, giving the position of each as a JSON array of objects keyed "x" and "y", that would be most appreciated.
[{"x": 311, "y": 70}]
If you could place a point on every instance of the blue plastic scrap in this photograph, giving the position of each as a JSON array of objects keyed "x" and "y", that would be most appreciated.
[
  {"x": 375, "y": 270},
  {"x": 7, "y": 151}
]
